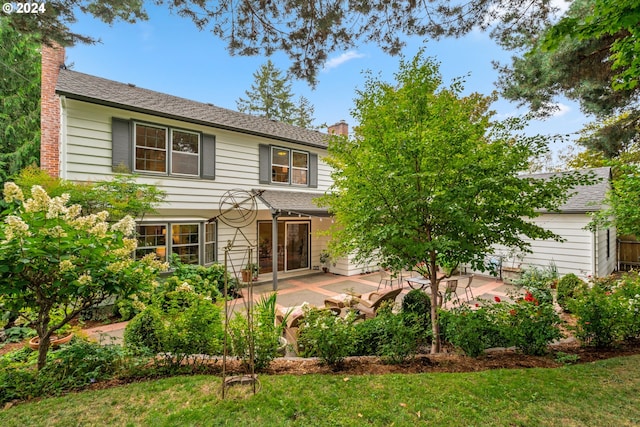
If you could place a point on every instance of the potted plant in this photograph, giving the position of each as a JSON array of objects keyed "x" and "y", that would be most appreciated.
[
  {"x": 250, "y": 272},
  {"x": 325, "y": 260},
  {"x": 63, "y": 336}
]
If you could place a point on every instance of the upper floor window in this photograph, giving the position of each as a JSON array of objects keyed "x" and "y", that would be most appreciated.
[
  {"x": 289, "y": 166},
  {"x": 153, "y": 154}
]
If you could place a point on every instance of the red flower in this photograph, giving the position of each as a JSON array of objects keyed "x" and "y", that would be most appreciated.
[
  {"x": 512, "y": 312},
  {"x": 477, "y": 305},
  {"x": 496, "y": 298}
]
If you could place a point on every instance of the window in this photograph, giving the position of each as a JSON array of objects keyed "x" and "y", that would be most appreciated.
[
  {"x": 300, "y": 168},
  {"x": 151, "y": 148},
  {"x": 185, "y": 242},
  {"x": 289, "y": 167},
  {"x": 153, "y": 153},
  {"x": 279, "y": 165},
  {"x": 152, "y": 239},
  {"x": 209, "y": 243},
  {"x": 184, "y": 153}
]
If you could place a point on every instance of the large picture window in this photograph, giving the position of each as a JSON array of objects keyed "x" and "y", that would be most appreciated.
[
  {"x": 194, "y": 243},
  {"x": 154, "y": 154}
]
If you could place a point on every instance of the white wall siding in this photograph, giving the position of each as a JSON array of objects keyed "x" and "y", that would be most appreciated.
[{"x": 88, "y": 153}]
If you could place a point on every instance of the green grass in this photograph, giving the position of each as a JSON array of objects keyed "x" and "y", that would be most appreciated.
[{"x": 605, "y": 393}]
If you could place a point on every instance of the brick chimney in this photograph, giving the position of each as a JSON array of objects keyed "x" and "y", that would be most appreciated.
[
  {"x": 341, "y": 128},
  {"x": 52, "y": 61}
]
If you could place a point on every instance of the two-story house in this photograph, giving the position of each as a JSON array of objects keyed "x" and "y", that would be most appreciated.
[{"x": 197, "y": 153}]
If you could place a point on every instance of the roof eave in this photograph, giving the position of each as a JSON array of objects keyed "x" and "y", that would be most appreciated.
[{"x": 71, "y": 95}]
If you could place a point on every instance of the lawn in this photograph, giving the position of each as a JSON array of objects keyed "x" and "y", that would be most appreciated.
[{"x": 604, "y": 393}]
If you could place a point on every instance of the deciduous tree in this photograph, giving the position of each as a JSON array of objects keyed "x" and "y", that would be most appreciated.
[{"x": 429, "y": 179}]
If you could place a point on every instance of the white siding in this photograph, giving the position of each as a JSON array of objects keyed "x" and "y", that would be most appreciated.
[
  {"x": 87, "y": 152},
  {"x": 573, "y": 255}
]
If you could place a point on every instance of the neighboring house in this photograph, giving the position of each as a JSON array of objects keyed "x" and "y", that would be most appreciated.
[
  {"x": 582, "y": 252},
  {"x": 195, "y": 152}
]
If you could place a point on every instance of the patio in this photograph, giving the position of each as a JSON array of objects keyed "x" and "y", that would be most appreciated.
[{"x": 314, "y": 288}]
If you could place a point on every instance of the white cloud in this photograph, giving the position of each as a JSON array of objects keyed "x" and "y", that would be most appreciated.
[
  {"x": 339, "y": 60},
  {"x": 561, "y": 110}
]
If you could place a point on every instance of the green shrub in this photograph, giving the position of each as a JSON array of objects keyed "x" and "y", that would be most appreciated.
[
  {"x": 264, "y": 332},
  {"x": 531, "y": 326},
  {"x": 417, "y": 306},
  {"x": 538, "y": 282},
  {"x": 327, "y": 336},
  {"x": 567, "y": 288},
  {"x": 472, "y": 331},
  {"x": 394, "y": 337},
  {"x": 602, "y": 317},
  {"x": 179, "y": 323},
  {"x": 145, "y": 332}
]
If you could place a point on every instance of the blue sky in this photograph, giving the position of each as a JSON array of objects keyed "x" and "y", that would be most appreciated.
[{"x": 168, "y": 54}]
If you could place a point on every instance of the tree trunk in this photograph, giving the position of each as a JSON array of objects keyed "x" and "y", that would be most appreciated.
[
  {"x": 435, "y": 326},
  {"x": 43, "y": 349}
]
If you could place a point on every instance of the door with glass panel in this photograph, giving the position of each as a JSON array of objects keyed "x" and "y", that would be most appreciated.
[{"x": 293, "y": 246}]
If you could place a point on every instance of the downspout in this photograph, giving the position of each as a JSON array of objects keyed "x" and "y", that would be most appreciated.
[
  {"x": 594, "y": 258},
  {"x": 62, "y": 147},
  {"x": 274, "y": 246}
]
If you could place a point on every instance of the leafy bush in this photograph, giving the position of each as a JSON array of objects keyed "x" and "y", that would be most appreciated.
[
  {"x": 394, "y": 337},
  {"x": 208, "y": 281},
  {"x": 568, "y": 287},
  {"x": 327, "y": 336},
  {"x": 472, "y": 331},
  {"x": 71, "y": 367},
  {"x": 264, "y": 333},
  {"x": 180, "y": 324},
  {"x": 538, "y": 282},
  {"x": 531, "y": 326},
  {"x": 145, "y": 332},
  {"x": 598, "y": 317},
  {"x": 417, "y": 306},
  {"x": 608, "y": 312}
]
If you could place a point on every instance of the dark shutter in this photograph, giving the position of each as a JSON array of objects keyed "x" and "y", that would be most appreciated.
[
  {"x": 313, "y": 170},
  {"x": 265, "y": 164},
  {"x": 121, "y": 144},
  {"x": 208, "y": 157}
]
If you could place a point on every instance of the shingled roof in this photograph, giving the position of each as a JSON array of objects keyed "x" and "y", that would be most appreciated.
[
  {"x": 587, "y": 198},
  {"x": 85, "y": 87},
  {"x": 292, "y": 202}
]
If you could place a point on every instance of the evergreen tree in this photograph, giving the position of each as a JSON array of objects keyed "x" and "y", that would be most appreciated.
[
  {"x": 19, "y": 101},
  {"x": 270, "y": 96}
]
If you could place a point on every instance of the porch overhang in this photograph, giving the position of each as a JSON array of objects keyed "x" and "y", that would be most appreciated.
[{"x": 292, "y": 203}]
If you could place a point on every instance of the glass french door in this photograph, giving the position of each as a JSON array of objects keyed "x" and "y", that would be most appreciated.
[{"x": 293, "y": 246}]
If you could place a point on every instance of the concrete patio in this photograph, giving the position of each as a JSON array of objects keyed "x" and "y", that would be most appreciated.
[{"x": 314, "y": 288}]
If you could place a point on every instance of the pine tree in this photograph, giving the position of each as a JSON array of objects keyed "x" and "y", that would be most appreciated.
[{"x": 270, "y": 96}]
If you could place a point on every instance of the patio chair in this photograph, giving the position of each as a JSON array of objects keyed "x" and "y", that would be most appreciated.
[
  {"x": 369, "y": 303},
  {"x": 449, "y": 292},
  {"x": 387, "y": 278},
  {"x": 467, "y": 288}
]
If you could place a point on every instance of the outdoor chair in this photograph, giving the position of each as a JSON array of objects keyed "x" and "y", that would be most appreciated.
[
  {"x": 449, "y": 292},
  {"x": 467, "y": 288},
  {"x": 387, "y": 278},
  {"x": 369, "y": 303}
]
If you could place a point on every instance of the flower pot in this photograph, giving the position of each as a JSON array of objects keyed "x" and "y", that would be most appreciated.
[
  {"x": 246, "y": 276},
  {"x": 34, "y": 342}
]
